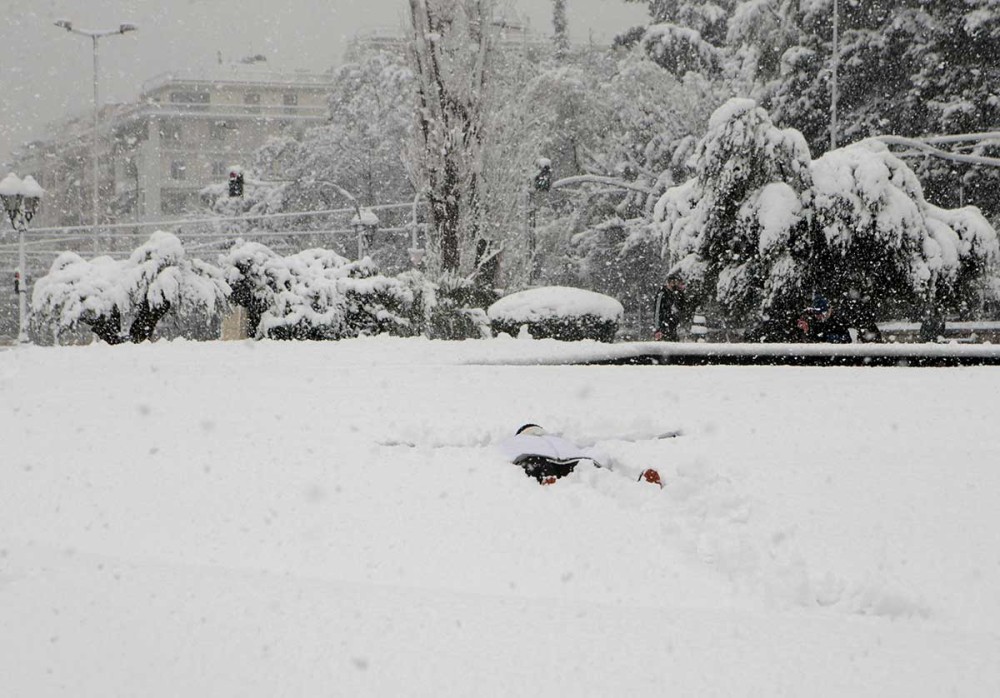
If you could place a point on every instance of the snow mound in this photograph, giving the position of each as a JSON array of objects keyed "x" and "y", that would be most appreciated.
[{"x": 555, "y": 302}]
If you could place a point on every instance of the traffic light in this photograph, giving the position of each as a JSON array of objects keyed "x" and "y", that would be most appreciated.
[
  {"x": 235, "y": 183},
  {"x": 17, "y": 281},
  {"x": 543, "y": 180}
]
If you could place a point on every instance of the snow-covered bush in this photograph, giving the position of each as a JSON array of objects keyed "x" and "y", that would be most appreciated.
[
  {"x": 252, "y": 271},
  {"x": 455, "y": 309},
  {"x": 558, "y": 312},
  {"x": 103, "y": 293},
  {"x": 315, "y": 294},
  {"x": 76, "y": 291}
]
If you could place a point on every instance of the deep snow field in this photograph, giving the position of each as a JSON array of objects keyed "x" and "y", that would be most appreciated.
[{"x": 334, "y": 519}]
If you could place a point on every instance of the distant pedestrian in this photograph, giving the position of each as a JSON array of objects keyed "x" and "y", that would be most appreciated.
[
  {"x": 932, "y": 325},
  {"x": 670, "y": 308}
]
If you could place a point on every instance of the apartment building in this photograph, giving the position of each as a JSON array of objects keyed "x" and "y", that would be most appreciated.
[{"x": 183, "y": 133}]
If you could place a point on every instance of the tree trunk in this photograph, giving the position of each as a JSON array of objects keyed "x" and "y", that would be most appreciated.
[
  {"x": 108, "y": 327},
  {"x": 450, "y": 115},
  {"x": 145, "y": 321},
  {"x": 447, "y": 213}
]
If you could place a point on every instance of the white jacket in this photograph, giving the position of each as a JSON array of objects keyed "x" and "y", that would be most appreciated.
[{"x": 549, "y": 446}]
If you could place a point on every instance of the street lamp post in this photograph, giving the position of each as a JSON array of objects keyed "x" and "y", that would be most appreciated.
[
  {"x": 94, "y": 35},
  {"x": 21, "y": 198},
  {"x": 416, "y": 251},
  {"x": 365, "y": 223}
]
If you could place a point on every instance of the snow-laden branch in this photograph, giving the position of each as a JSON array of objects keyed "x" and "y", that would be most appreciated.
[
  {"x": 962, "y": 137},
  {"x": 928, "y": 149},
  {"x": 598, "y": 179},
  {"x": 310, "y": 181}
]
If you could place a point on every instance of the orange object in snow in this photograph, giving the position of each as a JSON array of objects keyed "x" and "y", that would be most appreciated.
[{"x": 650, "y": 475}]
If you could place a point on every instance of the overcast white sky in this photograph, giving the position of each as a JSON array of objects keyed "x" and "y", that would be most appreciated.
[{"x": 46, "y": 73}]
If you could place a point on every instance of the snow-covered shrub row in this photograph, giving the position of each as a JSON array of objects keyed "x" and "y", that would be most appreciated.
[
  {"x": 317, "y": 294},
  {"x": 314, "y": 294},
  {"x": 761, "y": 226},
  {"x": 106, "y": 294},
  {"x": 568, "y": 314}
]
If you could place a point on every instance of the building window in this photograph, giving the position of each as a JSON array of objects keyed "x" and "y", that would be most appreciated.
[
  {"x": 220, "y": 169},
  {"x": 291, "y": 102},
  {"x": 198, "y": 100},
  {"x": 170, "y": 135},
  {"x": 252, "y": 100},
  {"x": 178, "y": 169},
  {"x": 217, "y": 131}
]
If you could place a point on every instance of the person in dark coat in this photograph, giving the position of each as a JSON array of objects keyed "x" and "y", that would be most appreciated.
[
  {"x": 932, "y": 325},
  {"x": 670, "y": 303},
  {"x": 821, "y": 323}
]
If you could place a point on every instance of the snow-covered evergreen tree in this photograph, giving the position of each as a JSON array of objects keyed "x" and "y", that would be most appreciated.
[
  {"x": 761, "y": 227},
  {"x": 905, "y": 68},
  {"x": 741, "y": 215}
]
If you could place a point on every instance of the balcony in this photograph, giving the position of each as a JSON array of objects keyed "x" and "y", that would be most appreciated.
[
  {"x": 278, "y": 112},
  {"x": 238, "y": 75}
]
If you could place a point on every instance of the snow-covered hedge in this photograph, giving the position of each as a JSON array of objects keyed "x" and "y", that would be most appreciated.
[{"x": 558, "y": 312}]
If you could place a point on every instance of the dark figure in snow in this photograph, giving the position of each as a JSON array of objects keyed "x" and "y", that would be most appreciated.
[
  {"x": 932, "y": 325},
  {"x": 547, "y": 457},
  {"x": 821, "y": 323},
  {"x": 779, "y": 326},
  {"x": 670, "y": 309}
]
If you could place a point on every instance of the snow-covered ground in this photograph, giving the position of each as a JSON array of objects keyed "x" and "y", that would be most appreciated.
[{"x": 334, "y": 519}]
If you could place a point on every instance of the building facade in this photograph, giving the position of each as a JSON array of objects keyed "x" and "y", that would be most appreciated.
[{"x": 185, "y": 132}]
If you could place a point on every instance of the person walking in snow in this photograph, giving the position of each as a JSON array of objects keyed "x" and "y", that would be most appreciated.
[
  {"x": 669, "y": 310},
  {"x": 547, "y": 457}
]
